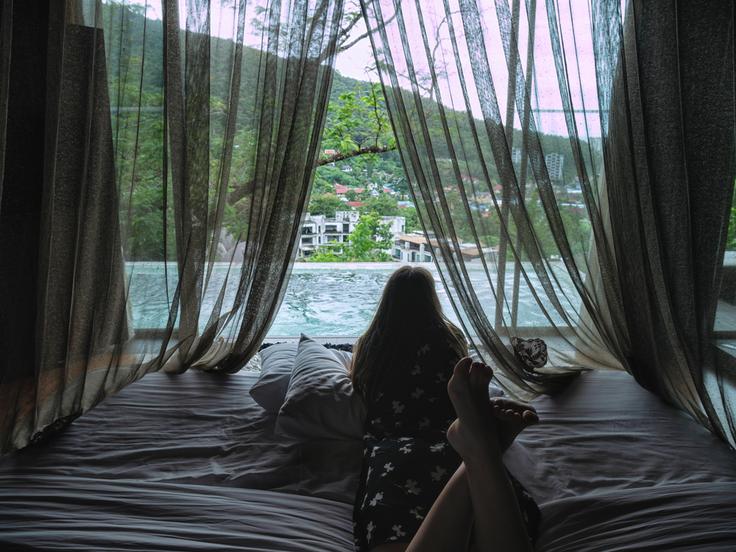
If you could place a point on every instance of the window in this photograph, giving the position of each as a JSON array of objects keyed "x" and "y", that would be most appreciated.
[{"x": 725, "y": 323}]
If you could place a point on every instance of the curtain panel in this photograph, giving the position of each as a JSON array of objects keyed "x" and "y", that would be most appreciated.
[
  {"x": 179, "y": 140},
  {"x": 497, "y": 117},
  {"x": 671, "y": 164},
  {"x": 579, "y": 158},
  {"x": 6, "y": 41}
]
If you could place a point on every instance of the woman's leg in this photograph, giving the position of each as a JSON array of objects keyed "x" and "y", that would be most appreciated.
[
  {"x": 474, "y": 435},
  {"x": 450, "y": 520},
  {"x": 448, "y": 525}
]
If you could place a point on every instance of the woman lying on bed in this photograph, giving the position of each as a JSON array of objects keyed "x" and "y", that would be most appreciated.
[{"x": 432, "y": 477}]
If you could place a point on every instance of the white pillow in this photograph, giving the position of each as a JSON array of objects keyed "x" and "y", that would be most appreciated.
[
  {"x": 277, "y": 362},
  {"x": 320, "y": 402},
  {"x": 344, "y": 357}
]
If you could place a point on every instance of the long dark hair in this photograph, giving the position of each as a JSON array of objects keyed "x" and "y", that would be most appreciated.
[{"x": 409, "y": 308}]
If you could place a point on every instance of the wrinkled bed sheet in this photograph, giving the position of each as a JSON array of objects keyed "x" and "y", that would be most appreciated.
[
  {"x": 616, "y": 469},
  {"x": 187, "y": 462},
  {"x": 190, "y": 462},
  {"x": 193, "y": 428}
]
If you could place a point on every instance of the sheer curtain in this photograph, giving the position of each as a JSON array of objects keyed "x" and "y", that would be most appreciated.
[
  {"x": 497, "y": 118},
  {"x": 6, "y": 41},
  {"x": 559, "y": 159},
  {"x": 180, "y": 140},
  {"x": 671, "y": 164}
]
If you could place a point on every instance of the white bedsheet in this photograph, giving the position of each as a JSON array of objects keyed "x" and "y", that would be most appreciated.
[
  {"x": 616, "y": 469},
  {"x": 73, "y": 513},
  {"x": 189, "y": 462},
  {"x": 179, "y": 463},
  {"x": 193, "y": 428}
]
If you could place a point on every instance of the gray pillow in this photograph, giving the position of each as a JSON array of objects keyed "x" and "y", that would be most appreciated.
[
  {"x": 320, "y": 401},
  {"x": 344, "y": 357},
  {"x": 277, "y": 362}
]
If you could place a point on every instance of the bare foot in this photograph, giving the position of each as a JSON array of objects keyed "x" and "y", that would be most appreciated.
[
  {"x": 513, "y": 417},
  {"x": 474, "y": 434}
]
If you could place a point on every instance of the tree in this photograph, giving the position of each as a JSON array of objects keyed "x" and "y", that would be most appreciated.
[
  {"x": 357, "y": 129},
  {"x": 357, "y": 125},
  {"x": 324, "y": 204},
  {"x": 366, "y": 243},
  {"x": 731, "y": 239},
  {"x": 411, "y": 218},
  {"x": 383, "y": 204},
  {"x": 370, "y": 238}
]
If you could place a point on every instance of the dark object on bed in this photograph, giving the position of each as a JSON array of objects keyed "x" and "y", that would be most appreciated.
[{"x": 532, "y": 352}]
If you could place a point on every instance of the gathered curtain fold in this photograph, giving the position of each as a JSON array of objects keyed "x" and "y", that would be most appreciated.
[
  {"x": 6, "y": 41},
  {"x": 495, "y": 110},
  {"x": 577, "y": 159},
  {"x": 180, "y": 141},
  {"x": 671, "y": 165}
]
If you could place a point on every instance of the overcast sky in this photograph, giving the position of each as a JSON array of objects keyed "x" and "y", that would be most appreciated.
[{"x": 574, "y": 22}]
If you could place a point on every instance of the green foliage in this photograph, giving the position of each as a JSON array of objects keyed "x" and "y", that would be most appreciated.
[
  {"x": 385, "y": 205},
  {"x": 369, "y": 238},
  {"x": 356, "y": 118},
  {"x": 367, "y": 243},
  {"x": 731, "y": 239},
  {"x": 326, "y": 176},
  {"x": 412, "y": 219},
  {"x": 325, "y": 204}
]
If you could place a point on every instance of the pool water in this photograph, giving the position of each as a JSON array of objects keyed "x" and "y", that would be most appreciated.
[{"x": 325, "y": 299}]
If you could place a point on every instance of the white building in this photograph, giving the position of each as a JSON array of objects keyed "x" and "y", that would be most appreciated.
[
  {"x": 516, "y": 155},
  {"x": 313, "y": 229},
  {"x": 319, "y": 230},
  {"x": 412, "y": 248},
  {"x": 555, "y": 163}
]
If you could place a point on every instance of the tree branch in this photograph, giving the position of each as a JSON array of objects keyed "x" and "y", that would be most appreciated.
[
  {"x": 346, "y": 46},
  {"x": 242, "y": 191},
  {"x": 355, "y": 153}
]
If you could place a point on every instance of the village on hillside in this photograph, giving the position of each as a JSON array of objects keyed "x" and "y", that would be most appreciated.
[{"x": 390, "y": 219}]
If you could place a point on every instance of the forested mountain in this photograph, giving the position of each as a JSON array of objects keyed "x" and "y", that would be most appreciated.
[{"x": 356, "y": 117}]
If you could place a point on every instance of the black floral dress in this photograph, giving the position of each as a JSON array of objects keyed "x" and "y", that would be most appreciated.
[{"x": 407, "y": 459}]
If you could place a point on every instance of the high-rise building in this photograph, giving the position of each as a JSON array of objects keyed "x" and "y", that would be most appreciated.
[
  {"x": 555, "y": 163},
  {"x": 516, "y": 155}
]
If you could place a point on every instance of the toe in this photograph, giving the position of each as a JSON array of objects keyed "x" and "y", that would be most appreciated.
[
  {"x": 480, "y": 377},
  {"x": 475, "y": 376},
  {"x": 458, "y": 388},
  {"x": 459, "y": 382},
  {"x": 462, "y": 368},
  {"x": 506, "y": 403},
  {"x": 505, "y": 415}
]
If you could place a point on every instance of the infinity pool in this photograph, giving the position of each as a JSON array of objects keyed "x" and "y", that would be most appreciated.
[{"x": 326, "y": 299}]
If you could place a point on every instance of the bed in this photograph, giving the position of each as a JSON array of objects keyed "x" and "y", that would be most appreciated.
[
  {"x": 616, "y": 469},
  {"x": 190, "y": 462}
]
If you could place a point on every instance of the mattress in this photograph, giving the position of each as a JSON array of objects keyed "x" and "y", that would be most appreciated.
[
  {"x": 614, "y": 468},
  {"x": 75, "y": 513},
  {"x": 190, "y": 462},
  {"x": 179, "y": 462}
]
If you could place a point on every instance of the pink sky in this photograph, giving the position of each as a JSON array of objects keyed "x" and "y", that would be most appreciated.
[{"x": 352, "y": 63}]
